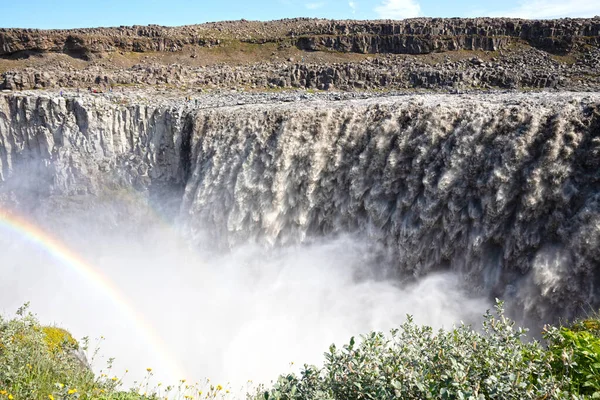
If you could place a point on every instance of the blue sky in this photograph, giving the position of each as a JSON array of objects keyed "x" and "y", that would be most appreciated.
[{"x": 90, "y": 13}]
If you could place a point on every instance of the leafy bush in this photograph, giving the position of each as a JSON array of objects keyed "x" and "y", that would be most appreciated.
[
  {"x": 591, "y": 325},
  {"x": 32, "y": 363},
  {"x": 412, "y": 362},
  {"x": 576, "y": 352},
  {"x": 415, "y": 362},
  {"x": 47, "y": 363},
  {"x": 42, "y": 363}
]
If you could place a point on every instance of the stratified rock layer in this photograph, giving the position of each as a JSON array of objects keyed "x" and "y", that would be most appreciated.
[
  {"x": 561, "y": 54},
  {"x": 410, "y": 36}
]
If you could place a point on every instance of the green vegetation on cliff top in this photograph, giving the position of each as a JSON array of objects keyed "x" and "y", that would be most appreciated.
[{"x": 411, "y": 362}]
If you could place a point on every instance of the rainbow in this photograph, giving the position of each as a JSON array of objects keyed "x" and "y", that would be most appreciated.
[{"x": 67, "y": 257}]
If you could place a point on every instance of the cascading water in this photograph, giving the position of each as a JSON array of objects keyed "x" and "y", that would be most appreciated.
[{"x": 502, "y": 190}]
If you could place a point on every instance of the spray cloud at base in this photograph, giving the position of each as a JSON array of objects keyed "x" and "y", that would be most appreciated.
[
  {"x": 292, "y": 226},
  {"x": 244, "y": 314}
]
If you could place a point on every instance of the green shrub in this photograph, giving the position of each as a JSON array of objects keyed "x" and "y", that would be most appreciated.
[
  {"x": 591, "y": 325},
  {"x": 412, "y": 362},
  {"x": 576, "y": 356},
  {"x": 43, "y": 363},
  {"x": 40, "y": 363},
  {"x": 415, "y": 362},
  {"x": 33, "y": 363}
]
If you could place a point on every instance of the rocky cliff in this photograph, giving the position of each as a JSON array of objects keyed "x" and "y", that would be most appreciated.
[
  {"x": 424, "y": 53},
  {"x": 411, "y": 36},
  {"x": 53, "y": 145},
  {"x": 501, "y": 188},
  {"x": 519, "y": 70}
]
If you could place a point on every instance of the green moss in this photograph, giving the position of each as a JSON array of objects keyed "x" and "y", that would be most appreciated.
[{"x": 58, "y": 339}]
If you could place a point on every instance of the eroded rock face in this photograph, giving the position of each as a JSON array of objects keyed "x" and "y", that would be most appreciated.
[
  {"x": 411, "y": 36},
  {"x": 526, "y": 54},
  {"x": 84, "y": 43},
  {"x": 502, "y": 188},
  {"x": 533, "y": 69},
  {"x": 55, "y": 145}
]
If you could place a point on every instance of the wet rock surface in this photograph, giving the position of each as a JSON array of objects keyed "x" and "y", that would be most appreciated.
[{"x": 500, "y": 187}]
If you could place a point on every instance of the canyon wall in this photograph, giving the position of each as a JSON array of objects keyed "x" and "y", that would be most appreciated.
[
  {"x": 410, "y": 36},
  {"x": 501, "y": 188}
]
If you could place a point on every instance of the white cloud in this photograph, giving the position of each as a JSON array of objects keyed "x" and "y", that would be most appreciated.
[
  {"x": 398, "y": 9},
  {"x": 539, "y": 9},
  {"x": 352, "y": 5},
  {"x": 314, "y": 6}
]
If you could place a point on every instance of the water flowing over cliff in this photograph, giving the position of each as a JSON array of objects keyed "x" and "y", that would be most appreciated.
[{"x": 503, "y": 189}]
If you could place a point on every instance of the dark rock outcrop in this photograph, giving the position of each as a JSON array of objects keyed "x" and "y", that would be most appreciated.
[
  {"x": 411, "y": 36},
  {"x": 526, "y": 69},
  {"x": 522, "y": 55}
]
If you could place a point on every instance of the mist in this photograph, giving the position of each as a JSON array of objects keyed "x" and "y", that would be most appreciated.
[
  {"x": 248, "y": 237},
  {"x": 250, "y": 312}
]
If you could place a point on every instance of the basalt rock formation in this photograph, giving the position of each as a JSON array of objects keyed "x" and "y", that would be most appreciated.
[
  {"x": 503, "y": 188},
  {"x": 515, "y": 71},
  {"x": 423, "y": 53},
  {"x": 411, "y": 36}
]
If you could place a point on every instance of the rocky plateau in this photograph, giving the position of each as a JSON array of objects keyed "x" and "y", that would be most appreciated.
[{"x": 424, "y": 53}]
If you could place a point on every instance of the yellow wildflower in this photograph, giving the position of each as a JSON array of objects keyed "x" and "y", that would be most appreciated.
[
  {"x": 114, "y": 379},
  {"x": 50, "y": 397},
  {"x": 72, "y": 391},
  {"x": 10, "y": 397},
  {"x": 149, "y": 369},
  {"x": 3, "y": 392},
  {"x": 219, "y": 387}
]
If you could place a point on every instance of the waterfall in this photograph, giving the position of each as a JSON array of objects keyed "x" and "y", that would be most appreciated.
[{"x": 502, "y": 188}]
